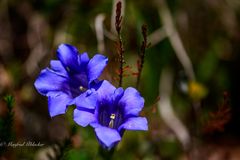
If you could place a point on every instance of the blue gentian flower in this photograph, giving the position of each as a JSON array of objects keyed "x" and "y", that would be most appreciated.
[
  {"x": 111, "y": 113},
  {"x": 69, "y": 77}
]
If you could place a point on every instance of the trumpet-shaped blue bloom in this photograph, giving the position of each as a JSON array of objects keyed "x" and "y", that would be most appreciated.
[
  {"x": 69, "y": 77},
  {"x": 111, "y": 113}
]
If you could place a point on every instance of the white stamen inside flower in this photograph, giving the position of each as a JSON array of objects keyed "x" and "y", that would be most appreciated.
[
  {"x": 111, "y": 123},
  {"x": 82, "y": 89}
]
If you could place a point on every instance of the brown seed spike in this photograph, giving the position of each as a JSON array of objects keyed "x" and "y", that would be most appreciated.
[
  {"x": 144, "y": 32},
  {"x": 118, "y": 17},
  {"x": 119, "y": 43},
  {"x": 142, "y": 53}
]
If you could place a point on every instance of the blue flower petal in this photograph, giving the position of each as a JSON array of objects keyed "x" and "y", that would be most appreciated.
[
  {"x": 118, "y": 93},
  {"x": 57, "y": 66},
  {"x": 57, "y": 103},
  {"x": 95, "y": 124},
  {"x": 83, "y": 60},
  {"x": 49, "y": 80},
  {"x": 135, "y": 123},
  {"x": 96, "y": 66},
  {"x": 87, "y": 100},
  {"x": 131, "y": 102},
  {"x": 68, "y": 55},
  {"x": 105, "y": 90},
  {"x": 107, "y": 136},
  {"x": 83, "y": 118}
]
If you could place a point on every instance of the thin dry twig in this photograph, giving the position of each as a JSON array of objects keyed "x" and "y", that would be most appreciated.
[
  {"x": 180, "y": 51},
  {"x": 100, "y": 32},
  {"x": 156, "y": 37},
  {"x": 166, "y": 110},
  {"x": 109, "y": 35},
  {"x": 175, "y": 40}
]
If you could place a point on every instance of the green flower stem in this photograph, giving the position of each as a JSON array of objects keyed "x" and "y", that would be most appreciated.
[{"x": 105, "y": 154}]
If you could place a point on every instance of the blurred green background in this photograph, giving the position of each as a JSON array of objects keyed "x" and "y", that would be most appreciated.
[{"x": 31, "y": 30}]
